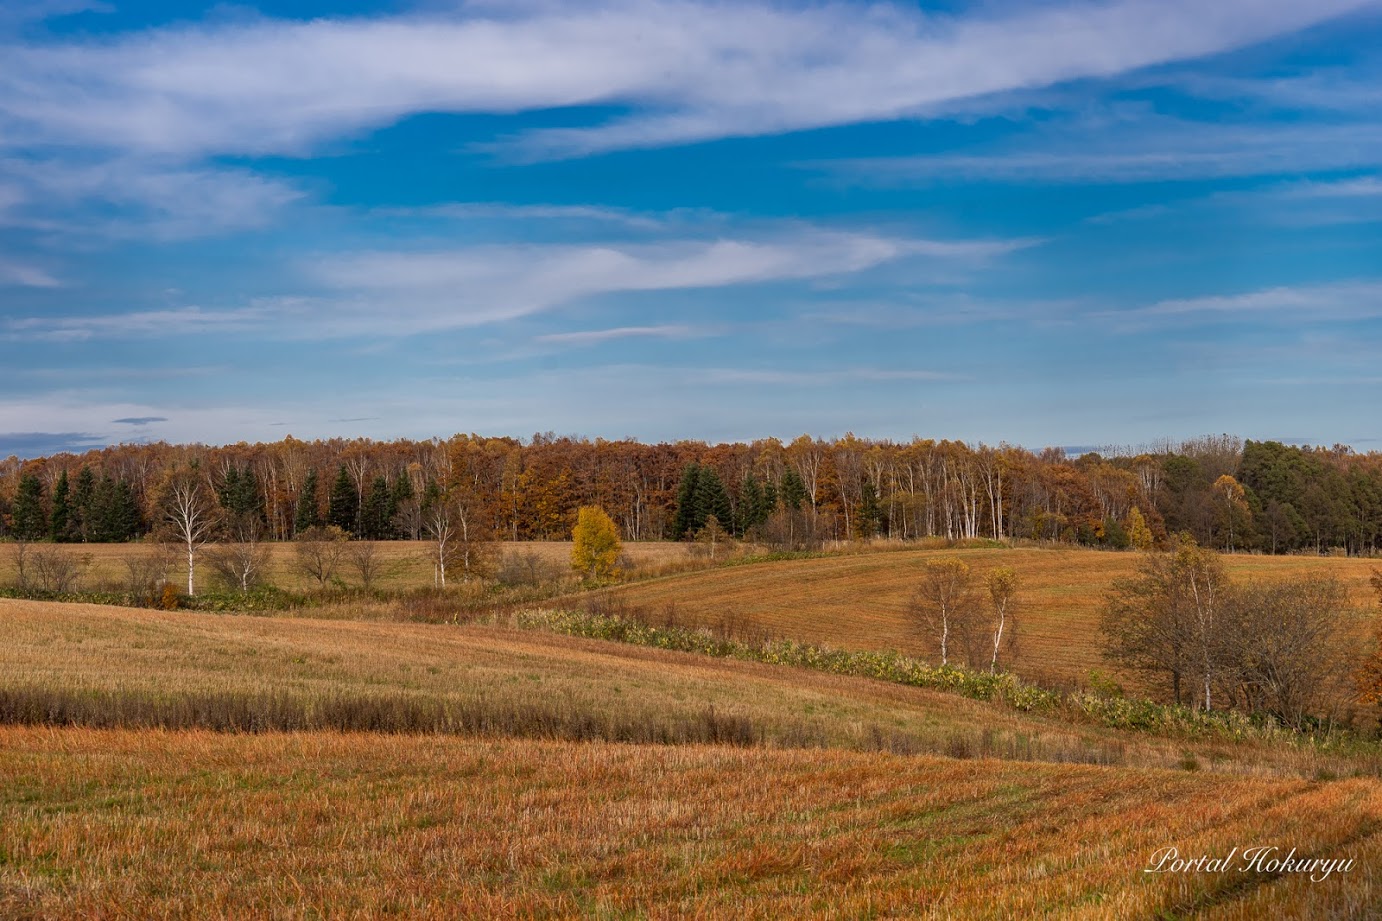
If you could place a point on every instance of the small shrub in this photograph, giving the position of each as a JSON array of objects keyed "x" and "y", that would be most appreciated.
[
  {"x": 56, "y": 570},
  {"x": 1103, "y": 684}
]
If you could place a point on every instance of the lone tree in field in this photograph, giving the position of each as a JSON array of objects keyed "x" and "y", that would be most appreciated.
[
  {"x": 1002, "y": 584},
  {"x": 944, "y": 606},
  {"x": 318, "y": 551},
  {"x": 243, "y": 560},
  {"x": 190, "y": 513},
  {"x": 712, "y": 535},
  {"x": 1173, "y": 619},
  {"x": 1285, "y": 653},
  {"x": 596, "y": 548}
]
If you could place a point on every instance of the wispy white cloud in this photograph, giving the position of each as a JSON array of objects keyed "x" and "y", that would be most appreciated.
[
  {"x": 502, "y": 211},
  {"x": 1143, "y": 150},
  {"x": 598, "y": 336},
  {"x": 1358, "y": 298},
  {"x": 1312, "y": 202},
  {"x": 26, "y": 276},
  {"x": 393, "y": 293},
  {"x": 690, "y": 70},
  {"x": 21, "y": 12},
  {"x": 1353, "y": 90},
  {"x": 816, "y": 378},
  {"x": 1344, "y": 301},
  {"x": 1358, "y": 187},
  {"x": 136, "y": 197},
  {"x": 449, "y": 289},
  {"x": 142, "y": 324}
]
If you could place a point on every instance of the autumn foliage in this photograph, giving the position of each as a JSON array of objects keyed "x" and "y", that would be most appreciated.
[
  {"x": 1227, "y": 493},
  {"x": 595, "y": 544}
]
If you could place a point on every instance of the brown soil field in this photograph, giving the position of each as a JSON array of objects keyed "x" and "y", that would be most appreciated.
[
  {"x": 860, "y": 601},
  {"x": 152, "y": 825}
]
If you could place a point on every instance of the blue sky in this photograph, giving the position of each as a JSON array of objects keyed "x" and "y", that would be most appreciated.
[{"x": 1069, "y": 223}]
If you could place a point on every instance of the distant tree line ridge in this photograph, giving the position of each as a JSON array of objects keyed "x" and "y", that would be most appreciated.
[{"x": 1225, "y": 492}]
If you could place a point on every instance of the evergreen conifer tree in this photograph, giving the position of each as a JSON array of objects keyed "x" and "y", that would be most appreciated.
[
  {"x": 343, "y": 506},
  {"x": 60, "y": 521},
  {"x": 122, "y": 514},
  {"x": 769, "y": 499},
  {"x": 685, "y": 521},
  {"x": 793, "y": 490},
  {"x": 711, "y": 500},
  {"x": 307, "y": 515},
  {"x": 870, "y": 512},
  {"x": 29, "y": 521},
  {"x": 402, "y": 490},
  {"x": 753, "y": 509},
  {"x": 99, "y": 528},
  {"x": 82, "y": 498},
  {"x": 376, "y": 518},
  {"x": 239, "y": 494}
]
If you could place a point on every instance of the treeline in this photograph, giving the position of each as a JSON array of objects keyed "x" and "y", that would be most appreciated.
[{"x": 1228, "y": 494}]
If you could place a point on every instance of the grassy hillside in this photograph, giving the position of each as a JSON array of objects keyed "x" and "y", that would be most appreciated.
[
  {"x": 799, "y": 816},
  {"x": 192, "y": 824},
  {"x": 110, "y": 666},
  {"x": 860, "y": 601}
]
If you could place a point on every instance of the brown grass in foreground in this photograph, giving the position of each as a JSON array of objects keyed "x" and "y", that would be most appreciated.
[
  {"x": 860, "y": 601},
  {"x": 116, "y": 824}
]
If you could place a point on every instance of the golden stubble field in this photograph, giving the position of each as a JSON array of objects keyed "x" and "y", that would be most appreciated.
[
  {"x": 860, "y": 601},
  {"x": 118, "y": 824},
  {"x": 599, "y": 688}
]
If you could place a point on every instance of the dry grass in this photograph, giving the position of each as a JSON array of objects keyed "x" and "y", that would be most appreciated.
[
  {"x": 114, "y": 823},
  {"x": 406, "y": 564},
  {"x": 108, "y": 666},
  {"x": 117, "y": 824},
  {"x": 860, "y": 601}
]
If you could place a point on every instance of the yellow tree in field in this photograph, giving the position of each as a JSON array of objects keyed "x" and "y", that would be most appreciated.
[
  {"x": 1002, "y": 584},
  {"x": 596, "y": 549},
  {"x": 944, "y": 606}
]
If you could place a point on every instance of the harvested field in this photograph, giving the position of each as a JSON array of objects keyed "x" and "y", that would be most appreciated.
[
  {"x": 191, "y": 824},
  {"x": 113, "y": 667},
  {"x": 860, "y": 601}
]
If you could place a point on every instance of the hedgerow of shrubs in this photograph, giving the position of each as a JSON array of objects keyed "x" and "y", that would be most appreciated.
[{"x": 1000, "y": 687}]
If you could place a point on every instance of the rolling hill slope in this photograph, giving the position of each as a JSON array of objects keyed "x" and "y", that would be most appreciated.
[
  {"x": 860, "y": 601},
  {"x": 454, "y": 820}
]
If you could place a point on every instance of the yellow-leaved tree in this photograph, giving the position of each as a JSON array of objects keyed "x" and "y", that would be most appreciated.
[
  {"x": 1139, "y": 535},
  {"x": 595, "y": 553}
]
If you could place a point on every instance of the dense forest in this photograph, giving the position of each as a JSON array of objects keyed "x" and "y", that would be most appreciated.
[{"x": 1227, "y": 493}]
